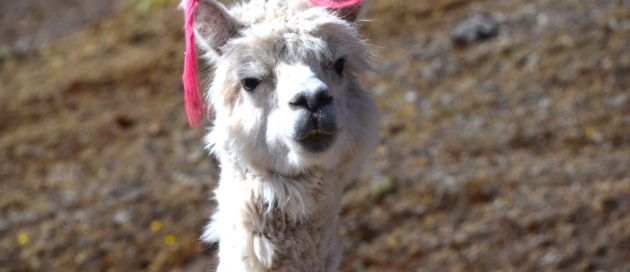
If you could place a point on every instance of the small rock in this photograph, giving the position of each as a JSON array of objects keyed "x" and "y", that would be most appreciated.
[
  {"x": 542, "y": 19},
  {"x": 123, "y": 121},
  {"x": 411, "y": 96},
  {"x": 156, "y": 129},
  {"x": 475, "y": 29},
  {"x": 121, "y": 217}
]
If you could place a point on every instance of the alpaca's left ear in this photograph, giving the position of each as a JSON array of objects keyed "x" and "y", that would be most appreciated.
[
  {"x": 214, "y": 26},
  {"x": 211, "y": 25},
  {"x": 349, "y": 10}
]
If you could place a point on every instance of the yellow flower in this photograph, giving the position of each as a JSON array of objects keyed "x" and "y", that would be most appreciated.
[
  {"x": 155, "y": 226},
  {"x": 593, "y": 135},
  {"x": 23, "y": 238},
  {"x": 170, "y": 239}
]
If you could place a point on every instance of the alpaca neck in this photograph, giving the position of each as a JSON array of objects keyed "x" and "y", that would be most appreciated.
[{"x": 269, "y": 221}]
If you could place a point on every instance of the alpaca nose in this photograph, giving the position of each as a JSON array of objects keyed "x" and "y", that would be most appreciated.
[{"x": 312, "y": 101}]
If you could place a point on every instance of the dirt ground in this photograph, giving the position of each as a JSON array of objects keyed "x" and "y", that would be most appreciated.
[{"x": 511, "y": 153}]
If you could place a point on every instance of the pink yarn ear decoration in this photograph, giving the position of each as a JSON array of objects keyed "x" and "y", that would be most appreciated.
[
  {"x": 192, "y": 97},
  {"x": 348, "y": 9},
  {"x": 336, "y": 4}
]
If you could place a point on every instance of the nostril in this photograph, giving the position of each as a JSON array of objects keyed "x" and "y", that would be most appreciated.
[
  {"x": 299, "y": 101},
  {"x": 323, "y": 99},
  {"x": 312, "y": 101},
  {"x": 319, "y": 99}
]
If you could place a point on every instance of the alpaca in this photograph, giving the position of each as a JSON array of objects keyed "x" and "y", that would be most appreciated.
[{"x": 291, "y": 127}]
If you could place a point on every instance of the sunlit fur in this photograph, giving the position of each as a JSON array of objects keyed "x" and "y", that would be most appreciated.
[{"x": 278, "y": 204}]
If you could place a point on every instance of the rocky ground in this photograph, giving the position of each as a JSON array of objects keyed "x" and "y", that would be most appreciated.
[{"x": 505, "y": 140}]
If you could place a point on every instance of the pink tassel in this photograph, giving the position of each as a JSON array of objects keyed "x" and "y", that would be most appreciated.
[
  {"x": 336, "y": 4},
  {"x": 348, "y": 9},
  {"x": 192, "y": 97}
]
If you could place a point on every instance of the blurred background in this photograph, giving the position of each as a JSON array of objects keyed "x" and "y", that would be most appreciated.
[{"x": 504, "y": 127}]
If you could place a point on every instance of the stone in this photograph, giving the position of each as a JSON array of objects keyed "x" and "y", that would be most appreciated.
[{"x": 475, "y": 29}]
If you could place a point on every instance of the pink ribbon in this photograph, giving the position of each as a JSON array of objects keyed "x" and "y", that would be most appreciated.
[
  {"x": 192, "y": 97},
  {"x": 335, "y": 4}
]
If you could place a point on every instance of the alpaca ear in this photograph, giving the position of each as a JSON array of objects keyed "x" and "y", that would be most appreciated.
[
  {"x": 213, "y": 26},
  {"x": 352, "y": 13}
]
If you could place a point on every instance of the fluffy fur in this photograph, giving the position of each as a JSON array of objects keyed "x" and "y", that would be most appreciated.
[{"x": 278, "y": 203}]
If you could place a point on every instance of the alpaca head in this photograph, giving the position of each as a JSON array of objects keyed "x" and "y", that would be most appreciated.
[{"x": 284, "y": 88}]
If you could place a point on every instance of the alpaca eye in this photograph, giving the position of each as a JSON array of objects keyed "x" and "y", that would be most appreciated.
[
  {"x": 338, "y": 67},
  {"x": 250, "y": 83}
]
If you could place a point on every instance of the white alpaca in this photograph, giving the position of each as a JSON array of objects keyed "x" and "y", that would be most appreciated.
[{"x": 292, "y": 125}]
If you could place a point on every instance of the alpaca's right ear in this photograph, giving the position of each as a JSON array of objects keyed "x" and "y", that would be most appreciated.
[
  {"x": 213, "y": 26},
  {"x": 349, "y": 10}
]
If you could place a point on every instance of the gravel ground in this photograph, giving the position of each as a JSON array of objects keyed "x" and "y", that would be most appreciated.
[{"x": 508, "y": 151}]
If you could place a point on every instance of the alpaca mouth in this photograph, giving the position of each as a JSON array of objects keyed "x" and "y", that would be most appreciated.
[
  {"x": 316, "y": 141},
  {"x": 316, "y": 132}
]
